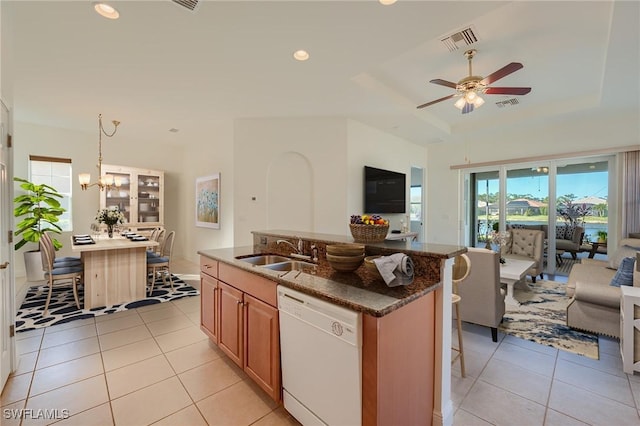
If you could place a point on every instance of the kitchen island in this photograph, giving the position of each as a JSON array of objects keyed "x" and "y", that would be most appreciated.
[{"x": 406, "y": 331}]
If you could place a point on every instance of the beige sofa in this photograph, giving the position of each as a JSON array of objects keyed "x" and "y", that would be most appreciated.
[
  {"x": 526, "y": 244},
  {"x": 482, "y": 298},
  {"x": 595, "y": 304}
]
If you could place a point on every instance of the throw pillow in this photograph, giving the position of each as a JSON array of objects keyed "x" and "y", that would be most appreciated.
[
  {"x": 560, "y": 232},
  {"x": 568, "y": 235},
  {"x": 624, "y": 275}
]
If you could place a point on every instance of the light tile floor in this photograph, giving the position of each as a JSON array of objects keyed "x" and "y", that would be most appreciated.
[
  {"x": 517, "y": 382},
  {"x": 150, "y": 365},
  {"x": 153, "y": 365}
]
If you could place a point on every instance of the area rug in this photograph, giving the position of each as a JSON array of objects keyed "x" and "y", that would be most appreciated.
[
  {"x": 541, "y": 318},
  {"x": 62, "y": 308}
]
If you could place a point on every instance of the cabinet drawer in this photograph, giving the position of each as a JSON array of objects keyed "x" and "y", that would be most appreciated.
[
  {"x": 209, "y": 266},
  {"x": 259, "y": 287}
]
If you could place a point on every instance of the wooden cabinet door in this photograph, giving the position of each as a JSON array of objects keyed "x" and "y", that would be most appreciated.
[
  {"x": 262, "y": 345},
  {"x": 208, "y": 306},
  {"x": 230, "y": 329}
]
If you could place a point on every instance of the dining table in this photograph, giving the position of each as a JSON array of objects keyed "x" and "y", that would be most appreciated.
[{"x": 115, "y": 269}]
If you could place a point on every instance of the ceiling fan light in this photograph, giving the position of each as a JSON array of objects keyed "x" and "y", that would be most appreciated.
[
  {"x": 470, "y": 96},
  {"x": 460, "y": 103},
  {"x": 478, "y": 101}
]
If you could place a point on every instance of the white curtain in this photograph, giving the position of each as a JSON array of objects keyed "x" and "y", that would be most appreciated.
[{"x": 630, "y": 193}]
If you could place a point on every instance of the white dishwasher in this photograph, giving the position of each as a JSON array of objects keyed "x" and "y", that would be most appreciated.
[{"x": 321, "y": 353}]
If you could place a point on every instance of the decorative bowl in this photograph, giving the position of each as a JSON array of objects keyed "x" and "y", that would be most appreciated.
[
  {"x": 370, "y": 265},
  {"x": 345, "y": 263},
  {"x": 345, "y": 249}
]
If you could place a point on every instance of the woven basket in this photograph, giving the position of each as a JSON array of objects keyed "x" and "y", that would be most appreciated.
[{"x": 369, "y": 233}]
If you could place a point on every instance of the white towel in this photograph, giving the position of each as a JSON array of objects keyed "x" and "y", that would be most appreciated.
[{"x": 396, "y": 269}]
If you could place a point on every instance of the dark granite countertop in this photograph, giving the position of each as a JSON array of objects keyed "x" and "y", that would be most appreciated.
[
  {"x": 359, "y": 290},
  {"x": 410, "y": 247}
]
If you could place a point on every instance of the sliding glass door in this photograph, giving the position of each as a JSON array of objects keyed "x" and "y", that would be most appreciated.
[
  {"x": 573, "y": 218},
  {"x": 485, "y": 208}
]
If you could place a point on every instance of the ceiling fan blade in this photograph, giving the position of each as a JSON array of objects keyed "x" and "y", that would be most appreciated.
[
  {"x": 444, "y": 83},
  {"x": 502, "y": 72},
  {"x": 436, "y": 101},
  {"x": 507, "y": 90}
]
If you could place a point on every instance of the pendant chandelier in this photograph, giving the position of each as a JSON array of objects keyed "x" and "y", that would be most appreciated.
[{"x": 104, "y": 181}]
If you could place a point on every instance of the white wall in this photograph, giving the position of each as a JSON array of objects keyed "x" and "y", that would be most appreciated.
[
  {"x": 261, "y": 143},
  {"x": 558, "y": 136},
  {"x": 371, "y": 147},
  {"x": 203, "y": 157}
]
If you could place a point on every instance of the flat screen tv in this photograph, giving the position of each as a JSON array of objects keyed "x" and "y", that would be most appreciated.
[{"x": 384, "y": 191}]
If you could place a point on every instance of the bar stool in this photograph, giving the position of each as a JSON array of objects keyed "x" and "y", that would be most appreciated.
[{"x": 461, "y": 269}]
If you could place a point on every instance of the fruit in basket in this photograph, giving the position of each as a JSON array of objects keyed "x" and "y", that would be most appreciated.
[{"x": 365, "y": 219}]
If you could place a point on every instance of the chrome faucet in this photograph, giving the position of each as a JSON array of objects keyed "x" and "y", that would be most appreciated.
[{"x": 299, "y": 250}]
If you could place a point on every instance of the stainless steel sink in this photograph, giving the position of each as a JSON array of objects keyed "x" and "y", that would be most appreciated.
[
  {"x": 292, "y": 265},
  {"x": 263, "y": 259}
]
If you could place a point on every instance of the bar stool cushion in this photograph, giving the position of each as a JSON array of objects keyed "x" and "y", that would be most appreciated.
[{"x": 158, "y": 259}]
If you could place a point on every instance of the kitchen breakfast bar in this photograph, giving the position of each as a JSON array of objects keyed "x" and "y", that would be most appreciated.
[
  {"x": 405, "y": 331},
  {"x": 115, "y": 270}
]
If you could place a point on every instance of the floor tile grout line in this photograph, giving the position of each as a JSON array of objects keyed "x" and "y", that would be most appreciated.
[
  {"x": 33, "y": 373},
  {"x": 553, "y": 373},
  {"x": 475, "y": 381},
  {"x": 597, "y": 394}
]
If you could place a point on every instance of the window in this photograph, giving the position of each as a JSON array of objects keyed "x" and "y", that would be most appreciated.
[
  {"x": 55, "y": 172},
  {"x": 416, "y": 203}
]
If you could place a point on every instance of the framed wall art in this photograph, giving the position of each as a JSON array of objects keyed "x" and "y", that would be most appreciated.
[{"x": 208, "y": 201}]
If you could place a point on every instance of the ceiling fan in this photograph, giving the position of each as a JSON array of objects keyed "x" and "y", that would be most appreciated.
[{"x": 470, "y": 88}]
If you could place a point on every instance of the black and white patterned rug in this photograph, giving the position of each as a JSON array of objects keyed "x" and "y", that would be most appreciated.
[
  {"x": 542, "y": 318},
  {"x": 62, "y": 308}
]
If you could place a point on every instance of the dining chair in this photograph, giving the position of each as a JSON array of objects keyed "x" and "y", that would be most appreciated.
[
  {"x": 461, "y": 270},
  {"x": 162, "y": 263},
  {"x": 156, "y": 251},
  {"x": 68, "y": 275},
  {"x": 61, "y": 261}
]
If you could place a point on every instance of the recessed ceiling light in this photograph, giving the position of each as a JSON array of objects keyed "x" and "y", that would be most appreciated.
[
  {"x": 301, "y": 55},
  {"x": 107, "y": 11},
  {"x": 387, "y": 2}
]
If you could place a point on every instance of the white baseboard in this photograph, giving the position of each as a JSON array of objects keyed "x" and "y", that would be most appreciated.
[{"x": 21, "y": 287}]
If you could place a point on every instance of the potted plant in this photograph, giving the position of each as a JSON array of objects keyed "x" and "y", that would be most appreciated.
[
  {"x": 602, "y": 237},
  {"x": 42, "y": 211}
]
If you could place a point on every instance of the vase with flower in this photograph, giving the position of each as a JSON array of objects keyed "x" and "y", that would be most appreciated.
[
  {"x": 110, "y": 217},
  {"x": 499, "y": 239}
]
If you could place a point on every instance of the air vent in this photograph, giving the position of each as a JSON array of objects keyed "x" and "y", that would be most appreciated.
[
  {"x": 512, "y": 101},
  {"x": 189, "y": 4},
  {"x": 460, "y": 39}
]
